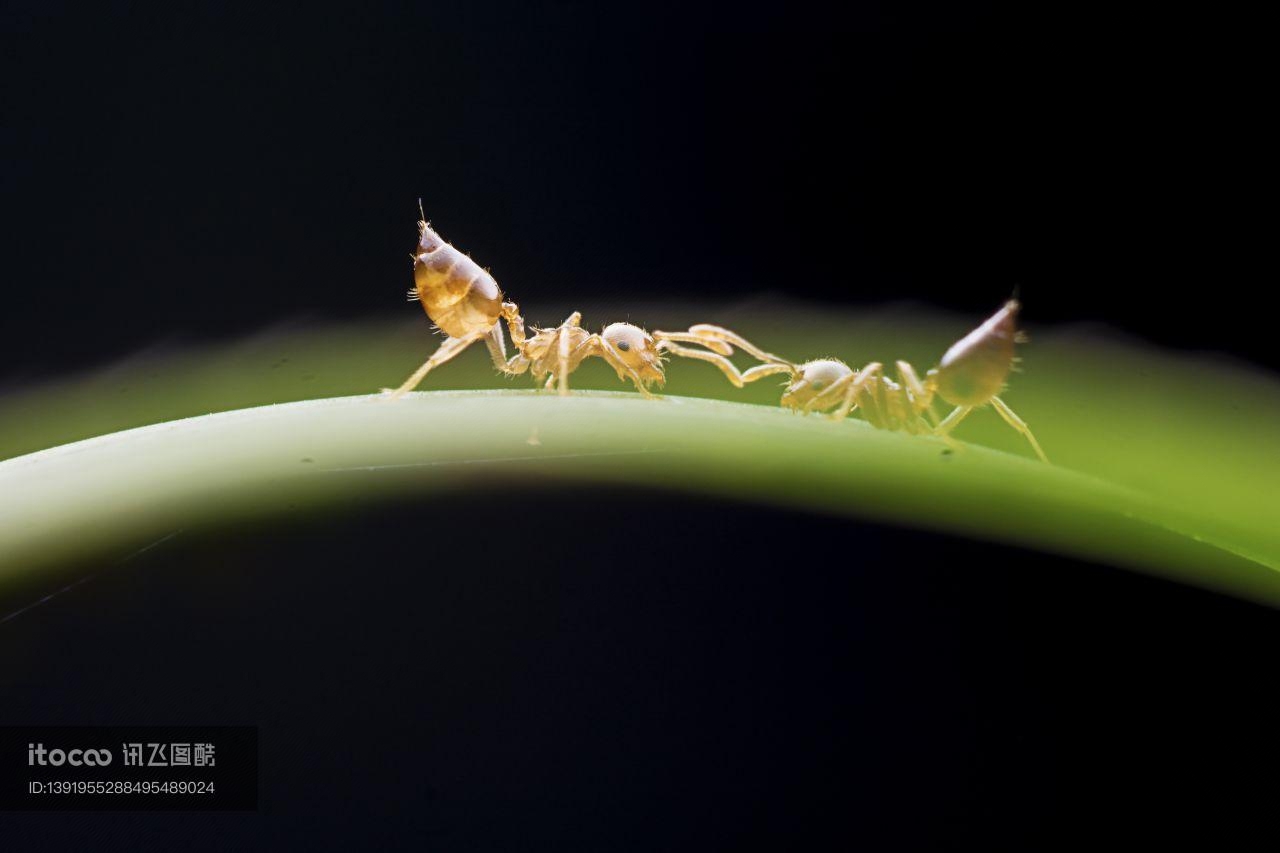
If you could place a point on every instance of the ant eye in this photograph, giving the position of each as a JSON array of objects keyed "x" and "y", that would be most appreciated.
[{"x": 624, "y": 346}]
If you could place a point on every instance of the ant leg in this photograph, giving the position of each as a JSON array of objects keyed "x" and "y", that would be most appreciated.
[
  {"x": 760, "y": 371},
  {"x": 909, "y": 378},
  {"x": 1020, "y": 425},
  {"x": 562, "y": 361},
  {"x": 708, "y": 332},
  {"x": 721, "y": 342},
  {"x": 515, "y": 323},
  {"x": 497, "y": 345},
  {"x": 921, "y": 395},
  {"x": 834, "y": 395},
  {"x": 831, "y": 396},
  {"x": 562, "y": 351},
  {"x": 857, "y": 381},
  {"x": 728, "y": 368},
  {"x": 450, "y": 349},
  {"x": 599, "y": 346},
  {"x": 690, "y": 338},
  {"x": 947, "y": 424},
  {"x": 944, "y": 427},
  {"x": 516, "y": 365}
]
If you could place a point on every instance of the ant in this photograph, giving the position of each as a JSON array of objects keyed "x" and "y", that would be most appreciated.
[
  {"x": 970, "y": 375},
  {"x": 465, "y": 302}
]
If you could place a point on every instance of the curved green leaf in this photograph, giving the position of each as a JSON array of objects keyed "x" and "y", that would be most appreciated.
[{"x": 1163, "y": 463}]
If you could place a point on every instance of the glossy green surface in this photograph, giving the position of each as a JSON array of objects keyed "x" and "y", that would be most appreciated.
[{"x": 1163, "y": 462}]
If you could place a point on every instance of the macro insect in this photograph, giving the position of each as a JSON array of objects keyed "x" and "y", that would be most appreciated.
[
  {"x": 970, "y": 375},
  {"x": 465, "y": 302}
]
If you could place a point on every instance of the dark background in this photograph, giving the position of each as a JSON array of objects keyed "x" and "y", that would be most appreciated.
[
  {"x": 203, "y": 170},
  {"x": 195, "y": 172},
  {"x": 427, "y": 679}
]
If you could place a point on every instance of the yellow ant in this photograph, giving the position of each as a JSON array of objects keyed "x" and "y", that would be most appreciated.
[
  {"x": 970, "y": 375},
  {"x": 465, "y": 302}
]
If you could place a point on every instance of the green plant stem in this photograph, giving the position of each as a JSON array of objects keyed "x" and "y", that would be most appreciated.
[{"x": 124, "y": 489}]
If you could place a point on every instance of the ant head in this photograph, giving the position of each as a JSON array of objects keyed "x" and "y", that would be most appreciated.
[
  {"x": 637, "y": 349},
  {"x": 811, "y": 379}
]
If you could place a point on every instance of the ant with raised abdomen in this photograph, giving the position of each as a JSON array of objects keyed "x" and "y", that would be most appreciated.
[
  {"x": 465, "y": 302},
  {"x": 970, "y": 375}
]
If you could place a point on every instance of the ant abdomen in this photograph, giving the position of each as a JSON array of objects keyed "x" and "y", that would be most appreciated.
[
  {"x": 975, "y": 368},
  {"x": 458, "y": 295}
]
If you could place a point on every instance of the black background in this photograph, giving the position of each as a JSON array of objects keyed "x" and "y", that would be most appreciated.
[
  {"x": 423, "y": 679},
  {"x": 736, "y": 676},
  {"x": 206, "y": 169}
]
